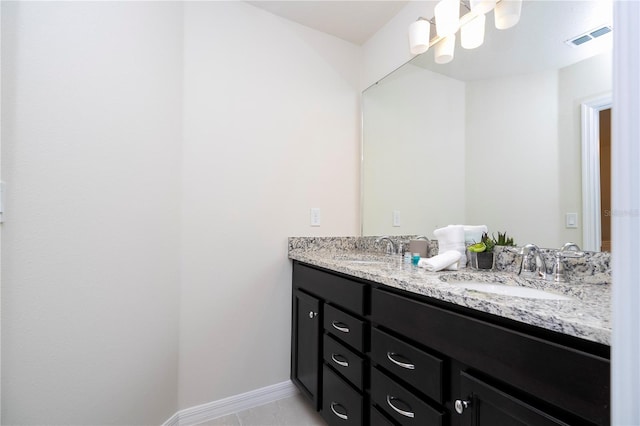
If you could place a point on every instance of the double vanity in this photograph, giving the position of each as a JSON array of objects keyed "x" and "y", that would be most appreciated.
[{"x": 377, "y": 341}]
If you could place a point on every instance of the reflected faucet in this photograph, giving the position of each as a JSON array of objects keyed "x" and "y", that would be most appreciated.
[
  {"x": 391, "y": 247},
  {"x": 533, "y": 263},
  {"x": 569, "y": 250}
]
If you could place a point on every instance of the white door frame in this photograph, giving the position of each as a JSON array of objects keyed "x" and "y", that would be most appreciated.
[{"x": 591, "y": 220}]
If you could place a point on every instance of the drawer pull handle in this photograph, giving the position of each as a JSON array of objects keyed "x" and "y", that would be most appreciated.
[
  {"x": 406, "y": 365},
  {"x": 340, "y": 326},
  {"x": 397, "y": 410},
  {"x": 340, "y": 415},
  {"x": 337, "y": 361}
]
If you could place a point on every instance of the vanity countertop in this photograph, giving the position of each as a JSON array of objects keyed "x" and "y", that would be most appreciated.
[{"x": 587, "y": 315}]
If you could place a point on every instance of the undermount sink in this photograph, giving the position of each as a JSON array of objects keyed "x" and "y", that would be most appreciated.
[
  {"x": 510, "y": 290},
  {"x": 365, "y": 259},
  {"x": 366, "y": 262}
]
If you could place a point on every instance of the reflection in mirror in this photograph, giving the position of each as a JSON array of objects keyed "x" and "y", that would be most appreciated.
[{"x": 494, "y": 137}]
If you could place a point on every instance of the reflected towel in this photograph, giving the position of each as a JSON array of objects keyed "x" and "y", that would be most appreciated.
[
  {"x": 452, "y": 238},
  {"x": 448, "y": 260}
]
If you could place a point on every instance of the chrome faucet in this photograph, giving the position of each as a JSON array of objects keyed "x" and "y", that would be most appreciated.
[
  {"x": 569, "y": 250},
  {"x": 533, "y": 263},
  {"x": 391, "y": 247}
]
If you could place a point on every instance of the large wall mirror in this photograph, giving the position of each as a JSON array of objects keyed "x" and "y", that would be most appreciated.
[{"x": 493, "y": 137}]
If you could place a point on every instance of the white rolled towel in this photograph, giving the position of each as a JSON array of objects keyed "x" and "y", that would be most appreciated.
[
  {"x": 448, "y": 260},
  {"x": 452, "y": 238},
  {"x": 473, "y": 233}
]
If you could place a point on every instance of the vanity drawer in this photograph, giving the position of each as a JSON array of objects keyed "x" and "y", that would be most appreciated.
[
  {"x": 343, "y": 360},
  {"x": 341, "y": 404},
  {"x": 402, "y": 405},
  {"x": 345, "y": 327},
  {"x": 333, "y": 288},
  {"x": 416, "y": 367},
  {"x": 565, "y": 377},
  {"x": 376, "y": 418}
]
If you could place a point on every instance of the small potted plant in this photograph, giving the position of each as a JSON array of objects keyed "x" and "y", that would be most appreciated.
[{"x": 482, "y": 252}]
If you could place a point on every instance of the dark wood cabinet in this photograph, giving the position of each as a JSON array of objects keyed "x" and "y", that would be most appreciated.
[
  {"x": 487, "y": 405},
  {"x": 305, "y": 360},
  {"x": 384, "y": 356},
  {"x": 329, "y": 338}
]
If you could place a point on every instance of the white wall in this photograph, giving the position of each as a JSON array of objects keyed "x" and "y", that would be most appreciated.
[
  {"x": 415, "y": 152},
  {"x": 153, "y": 178},
  {"x": 91, "y": 112},
  {"x": 271, "y": 129},
  {"x": 511, "y": 156},
  {"x": 578, "y": 83}
]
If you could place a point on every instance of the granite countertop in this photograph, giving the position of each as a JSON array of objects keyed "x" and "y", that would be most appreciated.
[{"x": 587, "y": 315}]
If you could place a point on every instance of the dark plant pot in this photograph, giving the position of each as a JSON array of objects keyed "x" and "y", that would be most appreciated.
[{"x": 485, "y": 260}]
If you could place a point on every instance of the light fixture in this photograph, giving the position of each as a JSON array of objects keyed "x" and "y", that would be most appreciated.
[
  {"x": 471, "y": 26},
  {"x": 447, "y": 17},
  {"x": 480, "y": 7},
  {"x": 507, "y": 13},
  {"x": 472, "y": 33},
  {"x": 419, "y": 32},
  {"x": 445, "y": 49}
]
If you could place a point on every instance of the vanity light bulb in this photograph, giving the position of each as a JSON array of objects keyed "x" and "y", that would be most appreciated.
[
  {"x": 472, "y": 33},
  {"x": 445, "y": 49},
  {"x": 507, "y": 13},
  {"x": 447, "y": 13},
  {"x": 419, "y": 36},
  {"x": 480, "y": 7}
]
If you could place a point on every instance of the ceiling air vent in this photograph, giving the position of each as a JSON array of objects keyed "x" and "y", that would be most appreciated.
[{"x": 589, "y": 35}]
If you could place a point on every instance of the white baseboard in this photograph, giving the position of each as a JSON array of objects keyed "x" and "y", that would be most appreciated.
[{"x": 233, "y": 404}]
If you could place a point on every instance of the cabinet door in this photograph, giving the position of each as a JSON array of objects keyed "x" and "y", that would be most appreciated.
[
  {"x": 305, "y": 356},
  {"x": 486, "y": 405}
]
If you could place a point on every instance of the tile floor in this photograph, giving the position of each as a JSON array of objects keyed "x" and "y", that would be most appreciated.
[{"x": 293, "y": 411}]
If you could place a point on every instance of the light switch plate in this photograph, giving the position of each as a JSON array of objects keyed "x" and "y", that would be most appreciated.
[
  {"x": 571, "y": 220},
  {"x": 315, "y": 216},
  {"x": 396, "y": 218}
]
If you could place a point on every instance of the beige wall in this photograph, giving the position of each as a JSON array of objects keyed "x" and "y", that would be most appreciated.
[
  {"x": 578, "y": 83},
  {"x": 155, "y": 165},
  {"x": 91, "y": 117},
  {"x": 511, "y": 157},
  {"x": 271, "y": 129},
  {"x": 415, "y": 153}
]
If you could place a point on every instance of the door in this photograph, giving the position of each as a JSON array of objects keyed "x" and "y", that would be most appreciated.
[
  {"x": 305, "y": 368},
  {"x": 605, "y": 179},
  {"x": 486, "y": 405}
]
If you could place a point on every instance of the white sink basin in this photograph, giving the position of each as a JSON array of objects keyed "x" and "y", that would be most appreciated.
[{"x": 509, "y": 290}]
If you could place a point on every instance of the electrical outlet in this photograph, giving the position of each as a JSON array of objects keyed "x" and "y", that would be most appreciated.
[
  {"x": 396, "y": 218},
  {"x": 315, "y": 216}
]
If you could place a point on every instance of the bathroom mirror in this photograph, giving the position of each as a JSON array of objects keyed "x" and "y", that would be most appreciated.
[{"x": 495, "y": 136}]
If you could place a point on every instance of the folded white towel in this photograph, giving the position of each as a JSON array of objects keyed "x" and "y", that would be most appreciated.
[
  {"x": 452, "y": 238},
  {"x": 437, "y": 263},
  {"x": 473, "y": 233}
]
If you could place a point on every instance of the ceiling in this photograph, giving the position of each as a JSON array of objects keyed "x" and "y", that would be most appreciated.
[{"x": 353, "y": 21}]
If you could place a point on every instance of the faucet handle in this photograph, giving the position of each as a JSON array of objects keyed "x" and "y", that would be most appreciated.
[{"x": 571, "y": 250}]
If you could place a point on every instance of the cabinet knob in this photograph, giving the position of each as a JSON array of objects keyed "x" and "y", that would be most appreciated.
[
  {"x": 312, "y": 314},
  {"x": 461, "y": 405}
]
